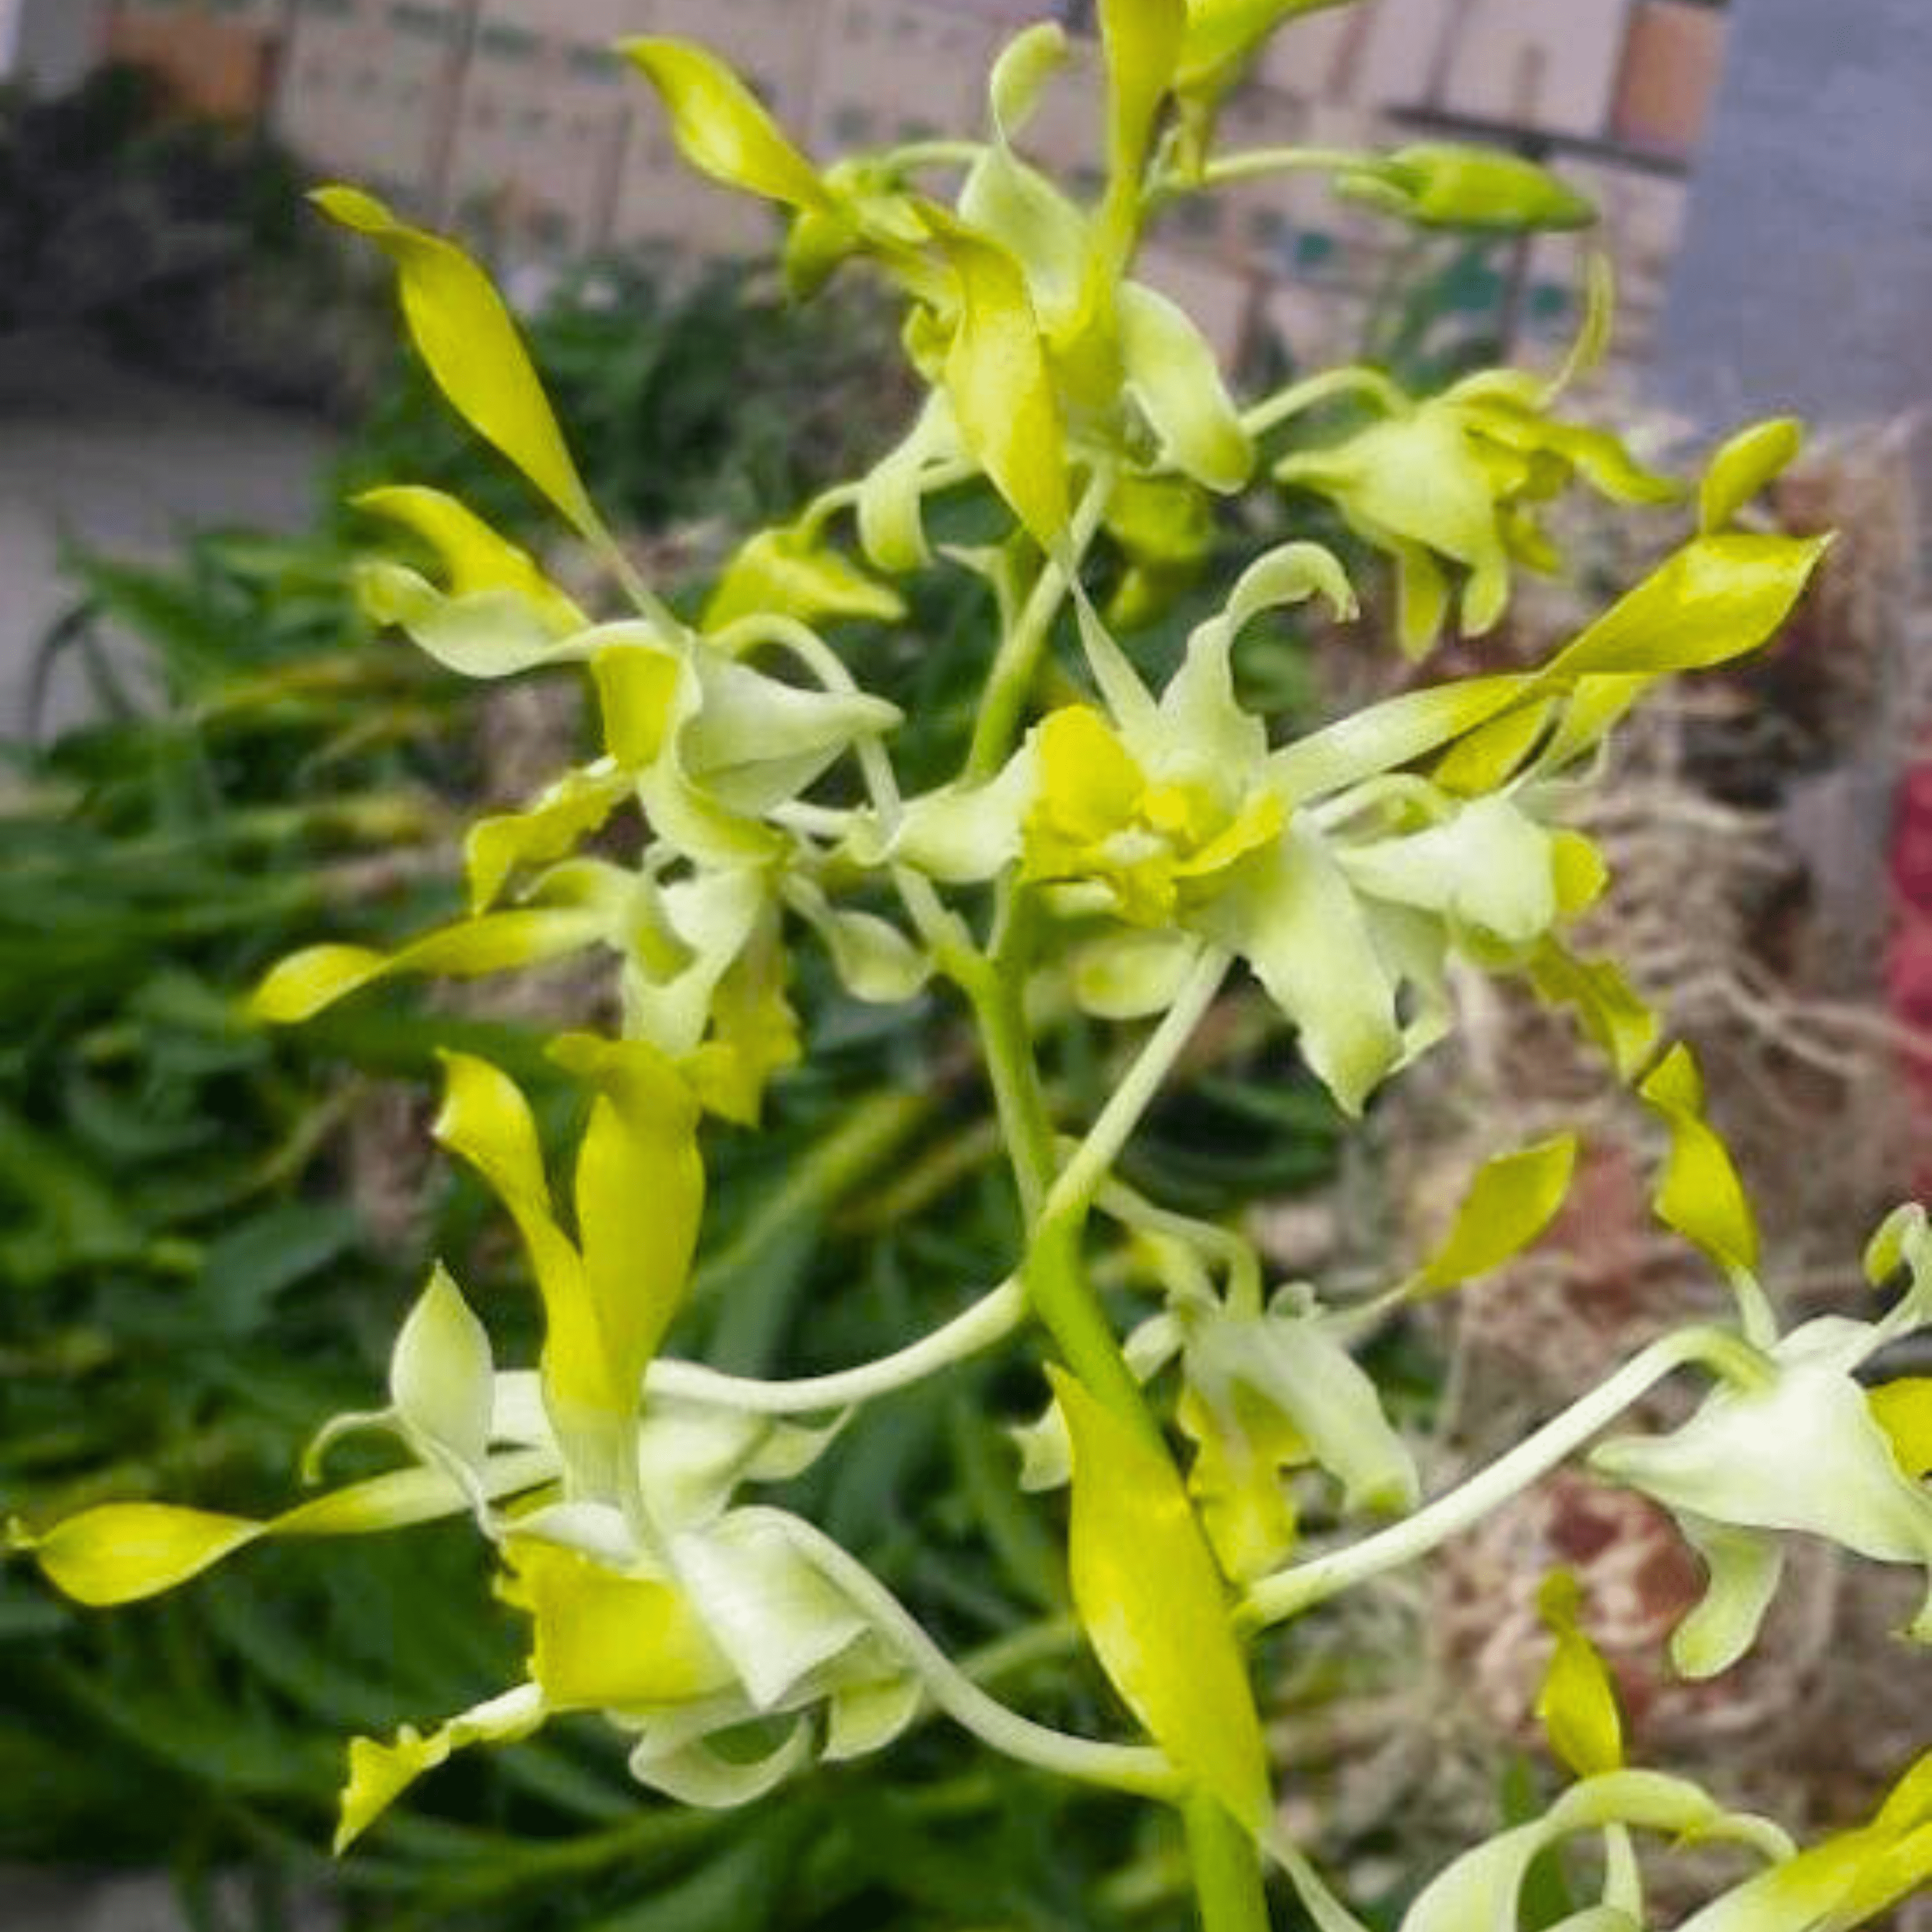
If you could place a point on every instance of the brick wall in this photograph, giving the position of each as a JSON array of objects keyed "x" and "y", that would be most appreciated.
[{"x": 511, "y": 118}]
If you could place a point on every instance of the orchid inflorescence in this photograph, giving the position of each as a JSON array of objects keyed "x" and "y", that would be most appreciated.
[{"x": 1126, "y": 849}]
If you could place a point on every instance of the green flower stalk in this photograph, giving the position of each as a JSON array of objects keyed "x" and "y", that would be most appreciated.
[{"x": 1134, "y": 848}]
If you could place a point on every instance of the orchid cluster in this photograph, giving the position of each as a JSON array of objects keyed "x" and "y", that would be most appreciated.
[{"x": 1230, "y": 1464}]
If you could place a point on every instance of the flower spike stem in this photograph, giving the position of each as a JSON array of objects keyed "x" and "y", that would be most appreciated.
[
  {"x": 1011, "y": 681},
  {"x": 1227, "y": 1869},
  {"x": 1139, "y": 1768},
  {"x": 1081, "y": 1180},
  {"x": 1275, "y": 1599},
  {"x": 988, "y": 1321}
]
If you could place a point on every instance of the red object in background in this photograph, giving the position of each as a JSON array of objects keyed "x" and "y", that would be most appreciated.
[
  {"x": 1908, "y": 959},
  {"x": 1912, "y": 840}
]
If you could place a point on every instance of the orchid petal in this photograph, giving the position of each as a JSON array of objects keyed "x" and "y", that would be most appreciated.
[
  {"x": 1150, "y": 1601},
  {"x": 720, "y": 126},
  {"x": 473, "y": 349}
]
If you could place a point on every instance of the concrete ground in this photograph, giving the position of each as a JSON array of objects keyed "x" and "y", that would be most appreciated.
[
  {"x": 120, "y": 462},
  {"x": 35, "y": 1901}
]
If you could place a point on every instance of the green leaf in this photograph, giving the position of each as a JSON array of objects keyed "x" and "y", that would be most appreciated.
[
  {"x": 256, "y": 1260},
  {"x": 473, "y": 349},
  {"x": 1153, "y": 1606},
  {"x": 1513, "y": 1199}
]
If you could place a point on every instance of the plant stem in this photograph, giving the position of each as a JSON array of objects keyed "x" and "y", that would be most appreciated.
[
  {"x": 1084, "y": 1176},
  {"x": 992, "y": 990},
  {"x": 1275, "y": 1599},
  {"x": 1057, "y": 1285},
  {"x": 652, "y": 607},
  {"x": 1330, "y": 383},
  {"x": 990, "y": 1319},
  {"x": 1256, "y": 162},
  {"x": 1010, "y": 682},
  {"x": 1227, "y": 1869},
  {"x": 1056, "y": 1282},
  {"x": 1171, "y": 184},
  {"x": 1225, "y": 1858},
  {"x": 1135, "y": 1767}
]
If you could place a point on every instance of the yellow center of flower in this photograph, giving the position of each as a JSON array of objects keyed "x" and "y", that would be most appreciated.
[{"x": 1099, "y": 819}]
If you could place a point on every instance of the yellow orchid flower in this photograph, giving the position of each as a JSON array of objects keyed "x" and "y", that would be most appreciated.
[
  {"x": 1806, "y": 1450},
  {"x": 1455, "y": 482}
]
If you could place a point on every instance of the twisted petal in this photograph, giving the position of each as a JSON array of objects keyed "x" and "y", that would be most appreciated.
[
  {"x": 1151, "y": 1600},
  {"x": 1577, "y": 1702},
  {"x": 378, "y": 1774},
  {"x": 121, "y": 1552},
  {"x": 720, "y": 126},
  {"x": 473, "y": 349},
  {"x": 1512, "y": 1200}
]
